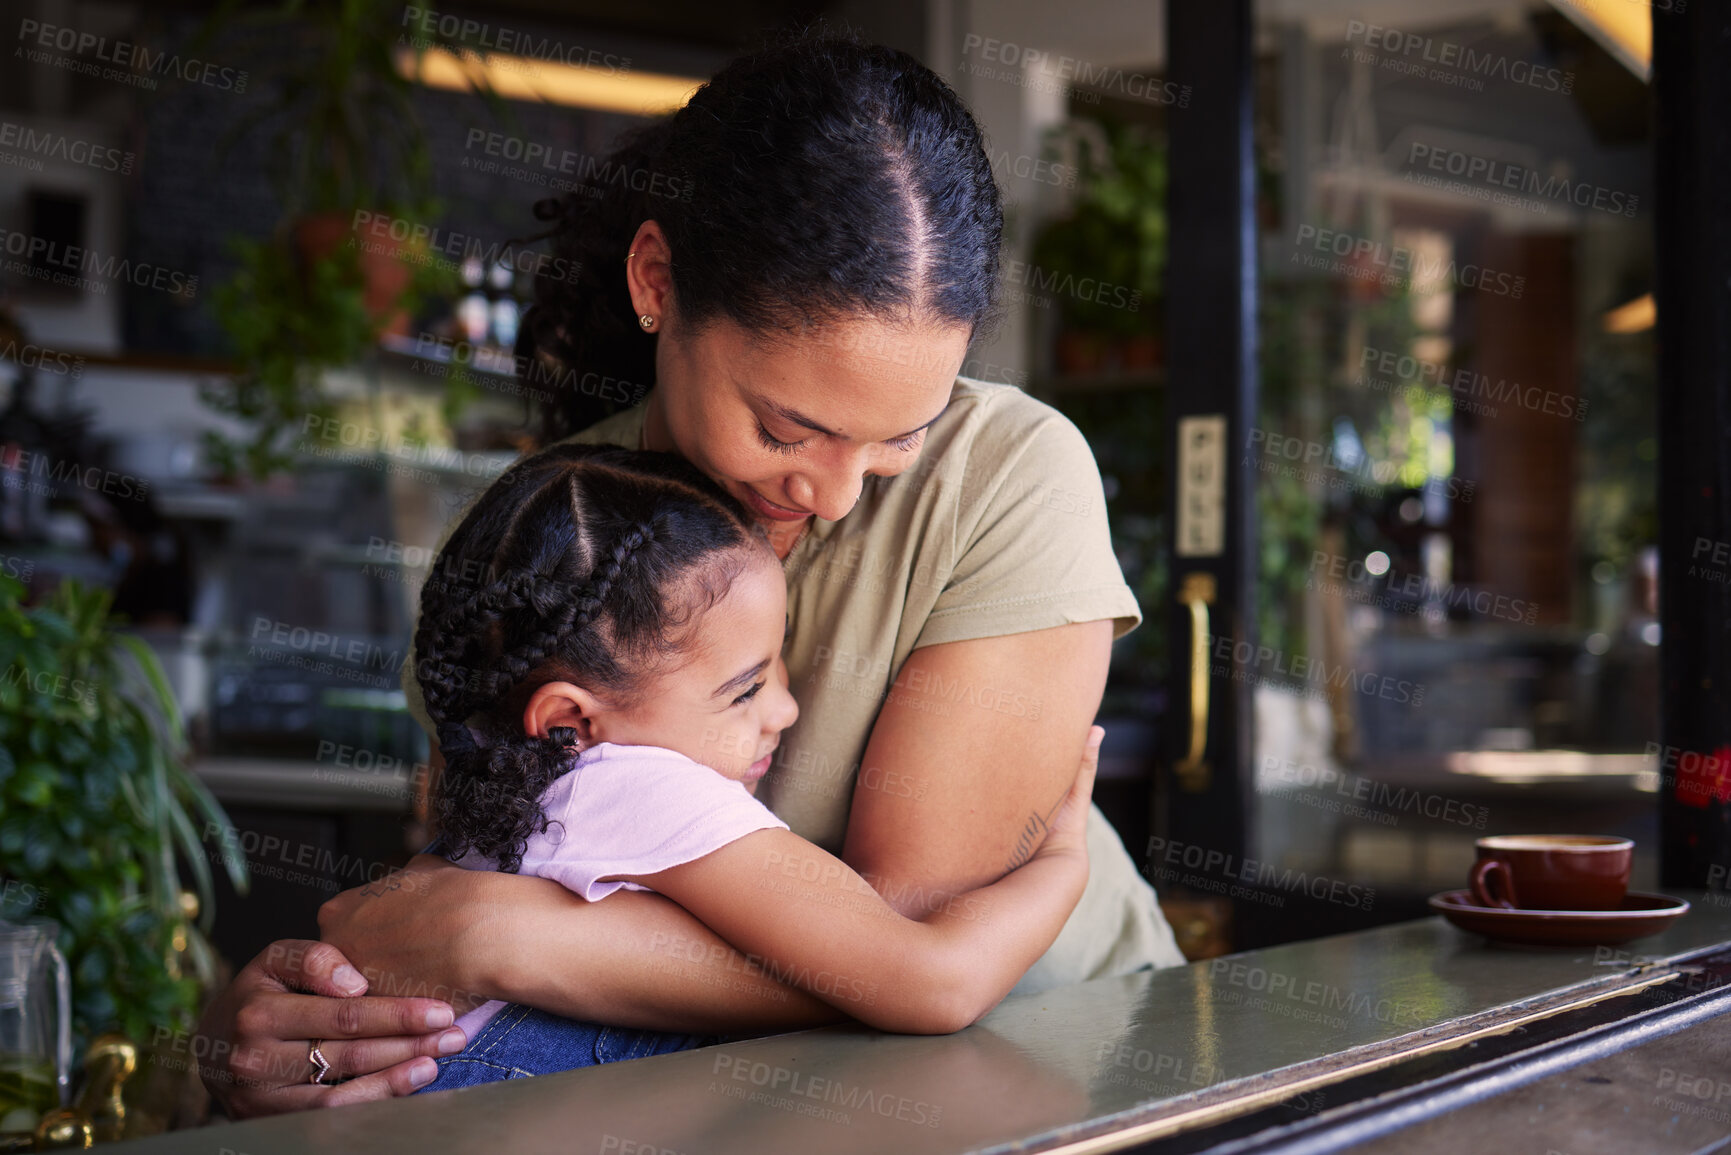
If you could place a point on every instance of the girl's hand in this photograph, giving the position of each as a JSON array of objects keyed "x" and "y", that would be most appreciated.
[
  {"x": 1067, "y": 831},
  {"x": 253, "y": 1041},
  {"x": 410, "y": 930}
]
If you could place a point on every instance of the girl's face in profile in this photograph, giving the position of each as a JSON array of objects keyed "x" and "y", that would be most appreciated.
[
  {"x": 793, "y": 426},
  {"x": 726, "y": 702}
]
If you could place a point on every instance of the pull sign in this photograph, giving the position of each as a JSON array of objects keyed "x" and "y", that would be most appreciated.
[{"x": 1202, "y": 486}]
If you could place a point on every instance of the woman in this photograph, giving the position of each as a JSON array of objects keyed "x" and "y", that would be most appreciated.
[{"x": 802, "y": 311}]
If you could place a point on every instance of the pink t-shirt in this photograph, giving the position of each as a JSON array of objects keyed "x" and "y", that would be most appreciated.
[{"x": 628, "y": 810}]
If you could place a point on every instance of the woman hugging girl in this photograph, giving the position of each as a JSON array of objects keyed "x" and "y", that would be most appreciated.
[{"x": 607, "y": 697}]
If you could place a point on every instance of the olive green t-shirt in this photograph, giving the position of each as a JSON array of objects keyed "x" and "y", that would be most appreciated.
[{"x": 999, "y": 528}]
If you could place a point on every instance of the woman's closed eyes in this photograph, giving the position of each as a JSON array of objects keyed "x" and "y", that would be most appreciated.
[{"x": 774, "y": 444}]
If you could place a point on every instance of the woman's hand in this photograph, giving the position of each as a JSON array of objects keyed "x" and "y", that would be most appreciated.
[
  {"x": 254, "y": 1040},
  {"x": 1067, "y": 832}
]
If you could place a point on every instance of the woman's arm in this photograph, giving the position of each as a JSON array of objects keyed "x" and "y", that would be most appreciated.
[
  {"x": 821, "y": 927},
  {"x": 972, "y": 785}
]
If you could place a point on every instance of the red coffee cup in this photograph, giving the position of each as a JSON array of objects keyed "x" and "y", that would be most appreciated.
[{"x": 1552, "y": 871}]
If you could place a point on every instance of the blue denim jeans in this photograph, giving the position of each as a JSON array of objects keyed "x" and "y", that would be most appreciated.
[{"x": 520, "y": 1042}]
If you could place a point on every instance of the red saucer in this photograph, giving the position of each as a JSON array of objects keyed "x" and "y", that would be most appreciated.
[{"x": 1639, "y": 916}]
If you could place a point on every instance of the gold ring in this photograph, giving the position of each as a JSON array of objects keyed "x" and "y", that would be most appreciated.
[{"x": 318, "y": 1060}]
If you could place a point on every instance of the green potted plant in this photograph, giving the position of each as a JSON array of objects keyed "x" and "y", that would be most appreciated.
[
  {"x": 1114, "y": 238},
  {"x": 345, "y": 144},
  {"x": 100, "y": 817}
]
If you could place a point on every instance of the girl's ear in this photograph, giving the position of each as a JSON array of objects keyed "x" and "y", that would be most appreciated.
[{"x": 564, "y": 704}]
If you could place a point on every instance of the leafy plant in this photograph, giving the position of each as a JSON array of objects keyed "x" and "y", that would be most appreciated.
[
  {"x": 98, "y": 812},
  {"x": 1117, "y": 231}
]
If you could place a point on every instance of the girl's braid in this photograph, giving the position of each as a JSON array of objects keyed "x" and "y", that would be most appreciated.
[{"x": 579, "y": 549}]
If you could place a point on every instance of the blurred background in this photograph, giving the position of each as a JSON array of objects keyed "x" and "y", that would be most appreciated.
[{"x": 261, "y": 271}]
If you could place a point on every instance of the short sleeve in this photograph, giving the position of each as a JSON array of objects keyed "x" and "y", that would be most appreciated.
[
  {"x": 637, "y": 810},
  {"x": 1034, "y": 549}
]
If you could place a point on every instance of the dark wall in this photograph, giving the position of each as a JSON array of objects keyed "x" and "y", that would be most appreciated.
[{"x": 197, "y": 185}]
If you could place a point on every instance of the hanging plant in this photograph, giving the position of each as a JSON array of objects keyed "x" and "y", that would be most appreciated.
[{"x": 345, "y": 143}]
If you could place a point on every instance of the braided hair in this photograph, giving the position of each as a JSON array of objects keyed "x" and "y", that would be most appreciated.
[
  {"x": 584, "y": 564},
  {"x": 818, "y": 179}
]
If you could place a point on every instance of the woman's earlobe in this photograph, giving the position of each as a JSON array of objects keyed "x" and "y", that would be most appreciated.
[{"x": 648, "y": 277}]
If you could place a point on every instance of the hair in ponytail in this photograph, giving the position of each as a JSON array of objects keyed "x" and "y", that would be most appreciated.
[
  {"x": 583, "y": 564},
  {"x": 816, "y": 180}
]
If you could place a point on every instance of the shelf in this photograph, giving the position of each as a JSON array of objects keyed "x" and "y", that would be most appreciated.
[
  {"x": 486, "y": 361},
  {"x": 293, "y": 784}
]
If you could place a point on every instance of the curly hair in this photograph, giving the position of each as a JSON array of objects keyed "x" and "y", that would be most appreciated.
[
  {"x": 585, "y": 564},
  {"x": 819, "y": 179}
]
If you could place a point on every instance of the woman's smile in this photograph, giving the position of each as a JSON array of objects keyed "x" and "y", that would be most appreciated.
[{"x": 767, "y": 508}]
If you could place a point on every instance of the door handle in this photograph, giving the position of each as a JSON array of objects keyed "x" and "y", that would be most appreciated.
[{"x": 1197, "y": 592}]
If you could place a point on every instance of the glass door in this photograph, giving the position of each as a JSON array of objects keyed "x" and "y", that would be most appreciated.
[
  {"x": 1455, "y": 443},
  {"x": 1443, "y": 621}
]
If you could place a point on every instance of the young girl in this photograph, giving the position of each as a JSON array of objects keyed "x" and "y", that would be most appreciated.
[{"x": 600, "y": 650}]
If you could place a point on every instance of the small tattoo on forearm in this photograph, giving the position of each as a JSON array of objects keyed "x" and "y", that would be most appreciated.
[{"x": 1033, "y": 833}]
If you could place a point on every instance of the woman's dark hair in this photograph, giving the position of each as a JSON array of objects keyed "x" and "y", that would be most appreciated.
[
  {"x": 582, "y": 564},
  {"x": 816, "y": 180}
]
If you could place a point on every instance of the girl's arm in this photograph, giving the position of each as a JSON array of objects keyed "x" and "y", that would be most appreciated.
[
  {"x": 817, "y": 925},
  {"x": 529, "y": 940},
  {"x": 635, "y": 960},
  {"x": 642, "y": 960}
]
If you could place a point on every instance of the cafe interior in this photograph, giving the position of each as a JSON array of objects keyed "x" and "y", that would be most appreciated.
[{"x": 1398, "y": 332}]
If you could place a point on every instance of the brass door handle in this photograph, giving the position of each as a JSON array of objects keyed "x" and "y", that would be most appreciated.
[{"x": 1197, "y": 592}]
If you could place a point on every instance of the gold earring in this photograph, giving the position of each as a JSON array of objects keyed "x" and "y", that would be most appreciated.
[
  {"x": 629, "y": 255},
  {"x": 647, "y": 322}
]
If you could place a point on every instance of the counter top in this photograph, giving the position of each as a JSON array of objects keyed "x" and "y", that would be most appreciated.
[
  {"x": 1133, "y": 1054},
  {"x": 302, "y": 784}
]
